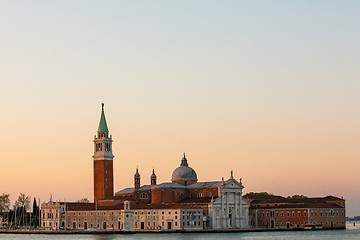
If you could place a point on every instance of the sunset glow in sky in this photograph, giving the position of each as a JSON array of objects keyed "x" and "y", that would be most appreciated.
[{"x": 269, "y": 89}]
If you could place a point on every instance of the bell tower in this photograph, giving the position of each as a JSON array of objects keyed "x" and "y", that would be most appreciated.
[{"x": 103, "y": 161}]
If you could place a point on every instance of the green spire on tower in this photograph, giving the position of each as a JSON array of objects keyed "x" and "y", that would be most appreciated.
[{"x": 102, "y": 125}]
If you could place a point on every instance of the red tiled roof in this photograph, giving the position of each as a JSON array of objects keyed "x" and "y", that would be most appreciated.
[
  {"x": 300, "y": 205},
  {"x": 263, "y": 199}
]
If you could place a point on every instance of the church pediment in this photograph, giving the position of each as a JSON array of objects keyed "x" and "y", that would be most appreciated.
[{"x": 233, "y": 184}]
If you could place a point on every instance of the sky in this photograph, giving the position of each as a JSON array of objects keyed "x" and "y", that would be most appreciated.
[{"x": 268, "y": 89}]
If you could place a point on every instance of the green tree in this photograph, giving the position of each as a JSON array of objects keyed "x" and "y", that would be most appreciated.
[
  {"x": 83, "y": 200},
  {"x": 35, "y": 214},
  {"x": 296, "y": 197},
  {"x": 260, "y": 193}
]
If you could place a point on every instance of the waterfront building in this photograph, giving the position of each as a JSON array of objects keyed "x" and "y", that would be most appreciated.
[
  {"x": 90, "y": 216},
  {"x": 183, "y": 203},
  {"x": 221, "y": 201},
  {"x": 280, "y": 212},
  {"x": 51, "y": 214},
  {"x": 165, "y": 217},
  {"x": 122, "y": 217}
]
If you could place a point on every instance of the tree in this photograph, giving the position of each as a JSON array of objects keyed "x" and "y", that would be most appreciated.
[
  {"x": 260, "y": 193},
  {"x": 4, "y": 202},
  {"x": 23, "y": 202},
  {"x": 296, "y": 197},
  {"x": 35, "y": 214},
  {"x": 83, "y": 200}
]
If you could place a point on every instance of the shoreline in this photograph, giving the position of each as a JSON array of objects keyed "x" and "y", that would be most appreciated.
[{"x": 61, "y": 232}]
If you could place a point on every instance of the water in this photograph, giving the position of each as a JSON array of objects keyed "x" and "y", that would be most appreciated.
[{"x": 351, "y": 233}]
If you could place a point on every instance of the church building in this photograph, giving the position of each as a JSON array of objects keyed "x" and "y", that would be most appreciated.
[{"x": 221, "y": 202}]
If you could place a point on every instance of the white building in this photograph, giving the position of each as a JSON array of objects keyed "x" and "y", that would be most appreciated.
[{"x": 230, "y": 209}]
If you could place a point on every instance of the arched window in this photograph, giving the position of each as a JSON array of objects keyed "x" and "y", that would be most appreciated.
[
  {"x": 181, "y": 195},
  {"x": 143, "y": 196}
]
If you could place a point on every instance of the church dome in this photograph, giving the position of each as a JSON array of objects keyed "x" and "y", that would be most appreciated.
[{"x": 184, "y": 172}]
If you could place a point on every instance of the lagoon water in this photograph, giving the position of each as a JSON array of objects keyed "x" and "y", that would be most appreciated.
[{"x": 351, "y": 233}]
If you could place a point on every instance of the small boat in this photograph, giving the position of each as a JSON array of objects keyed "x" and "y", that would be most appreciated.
[{"x": 313, "y": 226}]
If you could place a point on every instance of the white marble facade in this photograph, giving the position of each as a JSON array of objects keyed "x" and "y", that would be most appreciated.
[{"x": 229, "y": 210}]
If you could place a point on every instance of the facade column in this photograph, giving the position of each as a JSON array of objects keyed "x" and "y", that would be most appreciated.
[
  {"x": 240, "y": 209},
  {"x": 222, "y": 212},
  {"x": 227, "y": 211},
  {"x": 236, "y": 214}
]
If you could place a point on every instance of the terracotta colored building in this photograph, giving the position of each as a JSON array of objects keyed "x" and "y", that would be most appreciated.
[{"x": 280, "y": 212}]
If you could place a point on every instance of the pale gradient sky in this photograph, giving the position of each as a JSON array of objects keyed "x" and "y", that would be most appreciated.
[{"x": 270, "y": 89}]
